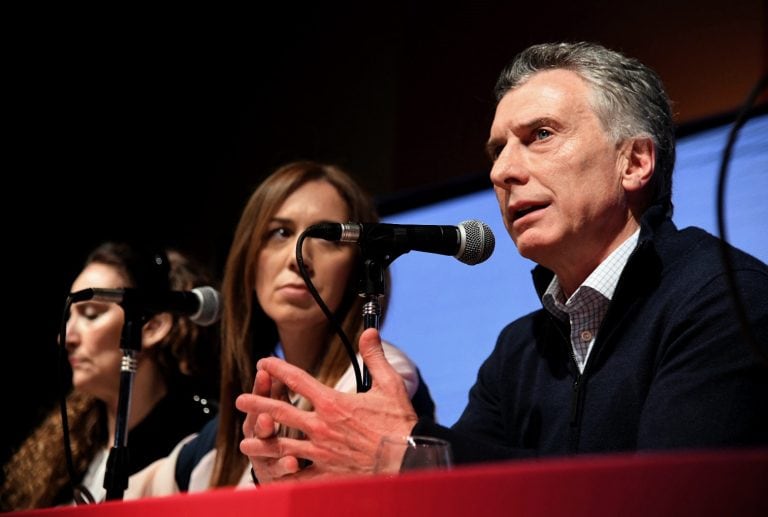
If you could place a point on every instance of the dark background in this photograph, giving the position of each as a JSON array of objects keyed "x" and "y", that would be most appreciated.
[{"x": 157, "y": 125}]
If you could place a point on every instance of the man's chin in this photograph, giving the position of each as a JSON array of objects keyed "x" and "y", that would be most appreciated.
[{"x": 532, "y": 247}]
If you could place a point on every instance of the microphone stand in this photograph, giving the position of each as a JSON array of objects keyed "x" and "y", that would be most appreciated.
[
  {"x": 372, "y": 288},
  {"x": 116, "y": 475}
]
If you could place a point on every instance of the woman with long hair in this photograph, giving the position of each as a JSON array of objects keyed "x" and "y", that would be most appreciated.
[{"x": 268, "y": 310}]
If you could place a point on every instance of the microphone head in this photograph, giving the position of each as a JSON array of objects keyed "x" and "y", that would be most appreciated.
[
  {"x": 477, "y": 242},
  {"x": 210, "y": 306}
]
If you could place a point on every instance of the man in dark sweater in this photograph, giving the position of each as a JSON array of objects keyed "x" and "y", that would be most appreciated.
[{"x": 637, "y": 346}]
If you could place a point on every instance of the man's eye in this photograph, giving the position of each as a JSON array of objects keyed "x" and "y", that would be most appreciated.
[
  {"x": 494, "y": 152},
  {"x": 542, "y": 134}
]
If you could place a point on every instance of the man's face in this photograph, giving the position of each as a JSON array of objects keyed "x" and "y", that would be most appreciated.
[{"x": 557, "y": 174}]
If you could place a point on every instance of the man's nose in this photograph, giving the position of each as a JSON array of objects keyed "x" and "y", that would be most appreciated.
[{"x": 508, "y": 169}]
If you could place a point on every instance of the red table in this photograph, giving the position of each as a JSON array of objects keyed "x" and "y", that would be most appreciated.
[{"x": 719, "y": 483}]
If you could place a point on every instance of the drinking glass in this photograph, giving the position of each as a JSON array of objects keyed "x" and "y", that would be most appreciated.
[{"x": 403, "y": 453}]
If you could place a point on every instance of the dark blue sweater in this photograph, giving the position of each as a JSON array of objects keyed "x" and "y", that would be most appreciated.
[{"x": 669, "y": 368}]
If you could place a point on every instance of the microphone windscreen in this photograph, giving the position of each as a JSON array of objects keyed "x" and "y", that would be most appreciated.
[
  {"x": 478, "y": 244},
  {"x": 209, "y": 311}
]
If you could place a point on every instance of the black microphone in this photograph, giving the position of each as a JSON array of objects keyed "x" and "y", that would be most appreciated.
[
  {"x": 201, "y": 304},
  {"x": 471, "y": 242}
]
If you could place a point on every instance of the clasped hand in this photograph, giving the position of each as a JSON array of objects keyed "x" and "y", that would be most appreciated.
[{"x": 341, "y": 432}]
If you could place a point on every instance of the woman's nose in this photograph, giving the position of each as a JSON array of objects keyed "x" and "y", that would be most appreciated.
[
  {"x": 306, "y": 254},
  {"x": 72, "y": 335}
]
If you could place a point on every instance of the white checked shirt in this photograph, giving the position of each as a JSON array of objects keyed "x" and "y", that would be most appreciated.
[{"x": 586, "y": 307}]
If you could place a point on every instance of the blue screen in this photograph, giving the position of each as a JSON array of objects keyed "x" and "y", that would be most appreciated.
[{"x": 446, "y": 315}]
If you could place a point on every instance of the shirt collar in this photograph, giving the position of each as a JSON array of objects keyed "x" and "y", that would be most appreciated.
[{"x": 603, "y": 279}]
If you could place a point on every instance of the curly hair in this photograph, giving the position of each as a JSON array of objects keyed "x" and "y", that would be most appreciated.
[{"x": 36, "y": 475}]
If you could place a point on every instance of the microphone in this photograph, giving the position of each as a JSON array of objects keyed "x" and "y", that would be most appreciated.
[
  {"x": 471, "y": 241},
  {"x": 201, "y": 304}
]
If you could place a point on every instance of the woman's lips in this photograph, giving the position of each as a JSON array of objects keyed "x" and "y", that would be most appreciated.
[
  {"x": 294, "y": 291},
  {"x": 294, "y": 287}
]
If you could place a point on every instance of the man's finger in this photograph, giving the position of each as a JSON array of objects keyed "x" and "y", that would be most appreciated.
[
  {"x": 296, "y": 379},
  {"x": 277, "y": 448},
  {"x": 264, "y": 427},
  {"x": 258, "y": 425},
  {"x": 373, "y": 356},
  {"x": 262, "y": 384},
  {"x": 281, "y": 412}
]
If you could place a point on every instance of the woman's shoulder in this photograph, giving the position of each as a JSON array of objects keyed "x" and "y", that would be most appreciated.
[
  {"x": 170, "y": 420},
  {"x": 194, "y": 451},
  {"x": 395, "y": 354}
]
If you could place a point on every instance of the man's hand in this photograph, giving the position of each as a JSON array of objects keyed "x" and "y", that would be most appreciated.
[
  {"x": 343, "y": 430},
  {"x": 261, "y": 426}
]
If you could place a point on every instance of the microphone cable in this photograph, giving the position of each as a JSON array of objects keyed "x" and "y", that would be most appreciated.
[
  {"x": 328, "y": 314},
  {"x": 738, "y": 303}
]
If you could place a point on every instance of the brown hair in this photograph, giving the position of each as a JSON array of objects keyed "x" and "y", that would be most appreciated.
[{"x": 247, "y": 333}]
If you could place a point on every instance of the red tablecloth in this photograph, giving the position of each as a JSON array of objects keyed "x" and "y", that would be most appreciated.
[{"x": 720, "y": 483}]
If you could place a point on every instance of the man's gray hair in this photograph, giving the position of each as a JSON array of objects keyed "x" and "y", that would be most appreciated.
[{"x": 629, "y": 98}]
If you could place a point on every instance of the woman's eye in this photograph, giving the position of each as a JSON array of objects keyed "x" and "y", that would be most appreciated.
[
  {"x": 331, "y": 244},
  {"x": 89, "y": 311},
  {"x": 278, "y": 233}
]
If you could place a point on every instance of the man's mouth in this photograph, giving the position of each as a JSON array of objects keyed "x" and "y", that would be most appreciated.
[{"x": 525, "y": 211}]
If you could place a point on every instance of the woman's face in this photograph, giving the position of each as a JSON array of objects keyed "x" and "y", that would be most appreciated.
[
  {"x": 93, "y": 335},
  {"x": 280, "y": 289}
]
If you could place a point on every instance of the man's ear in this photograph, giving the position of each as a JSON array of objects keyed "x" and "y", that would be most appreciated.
[
  {"x": 156, "y": 329},
  {"x": 640, "y": 156}
]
